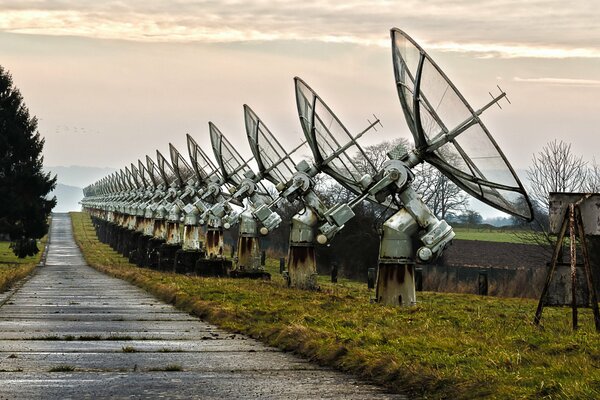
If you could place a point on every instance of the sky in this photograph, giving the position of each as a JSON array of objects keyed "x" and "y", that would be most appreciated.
[{"x": 112, "y": 81}]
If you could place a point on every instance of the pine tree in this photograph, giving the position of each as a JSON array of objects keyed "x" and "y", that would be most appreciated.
[{"x": 24, "y": 208}]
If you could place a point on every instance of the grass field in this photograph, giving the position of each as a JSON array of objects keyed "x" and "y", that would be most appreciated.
[
  {"x": 448, "y": 346},
  {"x": 496, "y": 235},
  {"x": 13, "y": 268}
]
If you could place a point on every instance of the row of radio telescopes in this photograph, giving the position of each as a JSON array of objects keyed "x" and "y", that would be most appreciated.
[{"x": 171, "y": 214}]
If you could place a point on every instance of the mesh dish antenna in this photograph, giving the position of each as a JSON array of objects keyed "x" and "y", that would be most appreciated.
[
  {"x": 448, "y": 132},
  {"x": 153, "y": 172},
  {"x": 144, "y": 175},
  {"x": 336, "y": 152},
  {"x": 274, "y": 163},
  {"x": 138, "y": 177},
  {"x": 166, "y": 170},
  {"x": 129, "y": 180},
  {"x": 333, "y": 147},
  {"x": 233, "y": 167},
  {"x": 122, "y": 179},
  {"x": 182, "y": 169},
  {"x": 202, "y": 164}
]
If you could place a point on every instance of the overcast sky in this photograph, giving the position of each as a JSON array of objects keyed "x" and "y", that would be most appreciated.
[{"x": 111, "y": 81}]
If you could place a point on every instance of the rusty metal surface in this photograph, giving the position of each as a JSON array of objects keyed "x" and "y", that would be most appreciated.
[
  {"x": 396, "y": 284},
  {"x": 590, "y": 211},
  {"x": 214, "y": 243},
  {"x": 191, "y": 237},
  {"x": 160, "y": 229},
  {"x": 174, "y": 232},
  {"x": 248, "y": 253},
  {"x": 302, "y": 267}
]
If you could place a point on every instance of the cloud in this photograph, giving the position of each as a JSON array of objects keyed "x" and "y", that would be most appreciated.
[
  {"x": 496, "y": 28},
  {"x": 561, "y": 81},
  {"x": 489, "y": 50}
]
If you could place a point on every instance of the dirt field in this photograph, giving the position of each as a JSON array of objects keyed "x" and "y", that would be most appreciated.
[{"x": 475, "y": 253}]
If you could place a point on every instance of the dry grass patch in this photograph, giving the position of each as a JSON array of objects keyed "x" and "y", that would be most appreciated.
[{"x": 12, "y": 268}]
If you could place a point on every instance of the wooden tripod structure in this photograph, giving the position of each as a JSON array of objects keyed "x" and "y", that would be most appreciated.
[{"x": 573, "y": 221}]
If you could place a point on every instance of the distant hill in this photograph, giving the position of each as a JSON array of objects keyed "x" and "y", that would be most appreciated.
[
  {"x": 78, "y": 176},
  {"x": 67, "y": 197},
  {"x": 70, "y": 181}
]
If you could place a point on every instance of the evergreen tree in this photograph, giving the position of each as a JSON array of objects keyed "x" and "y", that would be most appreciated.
[{"x": 24, "y": 208}]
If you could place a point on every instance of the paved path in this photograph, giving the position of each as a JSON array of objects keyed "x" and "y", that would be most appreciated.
[{"x": 73, "y": 332}]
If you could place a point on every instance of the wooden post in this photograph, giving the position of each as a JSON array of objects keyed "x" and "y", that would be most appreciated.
[
  {"x": 573, "y": 219},
  {"x": 588, "y": 271},
  {"x": 419, "y": 279},
  {"x": 573, "y": 252},
  {"x": 334, "y": 272},
  {"x": 371, "y": 278},
  {"x": 555, "y": 254},
  {"x": 482, "y": 281},
  {"x": 281, "y": 265}
]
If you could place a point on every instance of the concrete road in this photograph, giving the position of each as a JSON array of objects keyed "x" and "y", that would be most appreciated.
[{"x": 73, "y": 332}]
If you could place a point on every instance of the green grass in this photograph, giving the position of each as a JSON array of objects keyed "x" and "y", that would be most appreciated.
[
  {"x": 448, "y": 346},
  {"x": 12, "y": 268},
  {"x": 496, "y": 235}
]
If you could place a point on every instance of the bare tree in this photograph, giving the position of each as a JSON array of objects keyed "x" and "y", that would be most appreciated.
[
  {"x": 592, "y": 183},
  {"x": 440, "y": 194},
  {"x": 555, "y": 169}
]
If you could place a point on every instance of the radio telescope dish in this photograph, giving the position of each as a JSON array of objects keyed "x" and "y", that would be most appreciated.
[
  {"x": 129, "y": 179},
  {"x": 274, "y": 163},
  {"x": 153, "y": 172},
  {"x": 326, "y": 136},
  {"x": 137, "y": 176},
  {"x": 233, "y": 166},
  {"x": 335, "y": 150},
  {"x": 124, "y": 179},
  {"x": 448, "y": 132},
  {"x": 203, "y": 166},
  {"x": 166, "y": 170},
  {"x": 183, "y": 170},
  {"x": 144, "y": 174}
]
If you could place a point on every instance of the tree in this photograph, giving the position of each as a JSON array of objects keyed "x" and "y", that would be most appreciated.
[
  {"x": 592, "y": 183},
  {"x": 555, "y": 169},
  {"x": 471, "y": 217},
  {"x": 24, "y": 208},
  {"x": 440, "y": 194}
]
